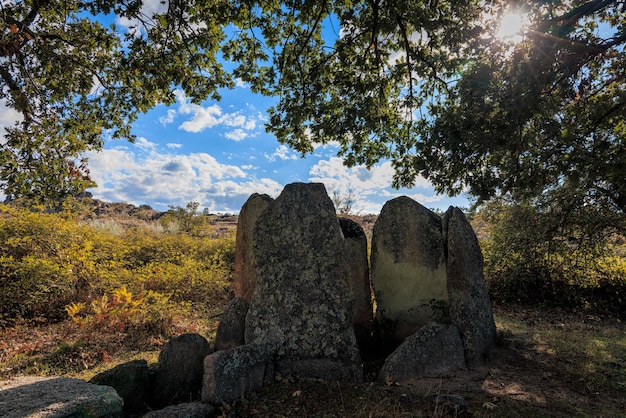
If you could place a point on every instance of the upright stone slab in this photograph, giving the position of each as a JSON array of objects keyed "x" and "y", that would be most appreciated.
[
  {"x": 245, "y": 275},
  {"x": 179, "y": 375},
  {"x": 302, "y": 305},
  {"x": 408, "y": 268},
  {"x": 230, "y": 331},
  {"x": 132, "y": 381},
  {"x": 470, "y": 307},
  {"x": 359, "y": 274},
  {"x": 230, "y": 374}
]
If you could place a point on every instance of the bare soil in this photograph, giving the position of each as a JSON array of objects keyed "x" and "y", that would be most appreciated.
[{"x": 523, "y": 378}]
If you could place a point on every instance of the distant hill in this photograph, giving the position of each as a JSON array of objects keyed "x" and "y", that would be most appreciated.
[{"x": 86, "y": 208}]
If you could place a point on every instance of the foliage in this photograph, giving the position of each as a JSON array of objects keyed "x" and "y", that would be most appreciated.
[
  {"x": 49, "y": 262},
  {"x": 555, "y": 254},
  {"x": 532, "y": 116},
  {"x": 429, "y": 86},
  {"x": 187, "y": 220},
  {"x": 123, "y": 312},
  {"x": 74, "y": 79},
  {"x": 436, "y": 91}
]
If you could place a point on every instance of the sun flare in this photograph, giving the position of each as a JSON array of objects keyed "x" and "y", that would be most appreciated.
[{"x": 512, "y": 27}]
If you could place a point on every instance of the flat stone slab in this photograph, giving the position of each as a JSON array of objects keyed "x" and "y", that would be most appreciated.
[
  {"x": 56, "y": 397},
  {"x": 433, "y": 351}
]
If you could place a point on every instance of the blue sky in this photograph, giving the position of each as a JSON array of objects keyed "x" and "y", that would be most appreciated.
[{"x": 218, "y": 154}]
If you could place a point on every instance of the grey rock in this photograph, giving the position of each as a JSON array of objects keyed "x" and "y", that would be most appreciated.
[
  {"x": 56, "y": 397},
  {"x": 408, "y": 268},
  {"x": 179, "y": 373},
  {"x": 184, "y": 410},
  {"x": 359, "y": 276},
  {"x": 244, "y": 276},
  {"x": 433, "y": 351},
  {"x": 230, "y": 331},
  {"x": 228, "y": 374},
  {"x": 470, "y": 307},
  {"x": 302, "y": 304},
  {"x": 132, "y": 381}
]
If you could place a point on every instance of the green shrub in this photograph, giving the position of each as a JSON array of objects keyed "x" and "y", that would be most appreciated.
[
  {"x": 40, "y": 255},
  {"x": 49, "y": 261},
  {"x": 538, "y": 256},
  {"x": 121, "y": 311}
]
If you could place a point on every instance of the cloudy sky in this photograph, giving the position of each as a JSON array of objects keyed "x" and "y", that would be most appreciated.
[{"x": 218, "y": 154}]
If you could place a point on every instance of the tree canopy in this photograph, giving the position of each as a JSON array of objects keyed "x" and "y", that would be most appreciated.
[{"x": 427, "y": 84}]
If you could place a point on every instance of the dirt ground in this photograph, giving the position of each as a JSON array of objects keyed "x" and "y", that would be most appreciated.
[
  {"x": 521, "y": 379},
  {"x": 542, "y": 367}
]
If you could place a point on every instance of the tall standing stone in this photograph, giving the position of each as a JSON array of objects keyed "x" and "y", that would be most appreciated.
[
  {"x": 245, "y": 275},
  {"x": 408, "y": 268},
  {"x": 359, "y": 274},
  {"x": 302, "y": 305},
  {"x": 470, "y": 308}
]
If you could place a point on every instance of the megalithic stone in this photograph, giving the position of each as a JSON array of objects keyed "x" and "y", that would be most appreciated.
[
  {"x": 302, "y": 305},
  {"x": 359, "y": 277},
  {"x": 244, "y": 277},
  {"x": 470, "y": 307},
  {"x": 408, "y": 268}
]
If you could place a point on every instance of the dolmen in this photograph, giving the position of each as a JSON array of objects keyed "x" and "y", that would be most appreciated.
[
  {"x": 310, "y": 287},
  {"x": 304, "y": 292}
]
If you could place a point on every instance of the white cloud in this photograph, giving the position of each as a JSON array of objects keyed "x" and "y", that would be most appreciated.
[
  {"x": 250, "y": 124},
  {"x": 144, "y": 144},
  {"x": 209, "y": 117},
  {"x": 8, "y": 117},
  {"x": 148, "y": 8},
  {"x": 240, "y": 83},
  {"x": 203, "y": 117},
  {"x": 169, "y": 118},
  {"x": 281, "y": 153},
  {"x": 370, "y": 188},
  {"x": 236, "y": 135},
  {"x": 163, "y": 180},
  {"x": 174, "y": 145}
]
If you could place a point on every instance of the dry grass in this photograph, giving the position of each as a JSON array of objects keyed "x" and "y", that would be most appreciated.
[{"x": 548, "y": 364}]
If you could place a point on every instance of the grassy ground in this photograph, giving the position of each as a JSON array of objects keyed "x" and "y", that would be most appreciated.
[{"x": 548, "y": 363}]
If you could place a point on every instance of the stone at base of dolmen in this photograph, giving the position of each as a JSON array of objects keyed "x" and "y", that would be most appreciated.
[
  {"x": 132, "y": 381},
  {"x": 231, "y": 329},
  {"x": 57, "y": 397},
  {"x": 228, "y": 374},
  {"x": 179, "y": 371},
  {"x": 433, "y": 351}
]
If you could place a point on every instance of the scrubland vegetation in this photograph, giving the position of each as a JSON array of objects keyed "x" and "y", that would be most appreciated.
[
  {"x": 130, "y": 286},
  {"x": 572, "y": 258},
  {"x": 80, "y": 294}
]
